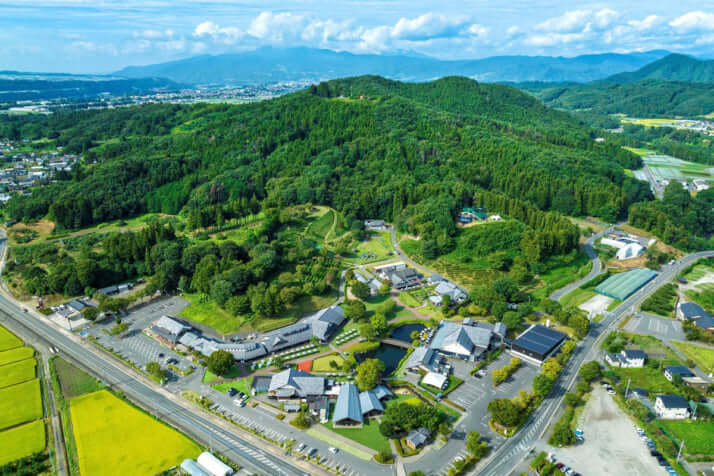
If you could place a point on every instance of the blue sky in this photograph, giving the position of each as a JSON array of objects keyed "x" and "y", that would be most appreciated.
[{"x": 99, "y": 36}]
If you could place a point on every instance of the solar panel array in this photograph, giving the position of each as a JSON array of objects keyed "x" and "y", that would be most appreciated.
[{"x": 539, "y": 339}]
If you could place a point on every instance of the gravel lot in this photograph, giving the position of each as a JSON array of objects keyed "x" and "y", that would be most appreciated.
[{"x": 612, "y": 445}]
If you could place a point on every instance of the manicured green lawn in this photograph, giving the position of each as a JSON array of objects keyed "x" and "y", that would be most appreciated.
[
  {"x": 20, "y": 403},
  {"x": 651, "y": 380},
  {"x": 698, "y": 436},
  {"x": 235, "y": 372},
  {"x": 368, "y": 435},
  {"x": 114, "y": 438},
  {"x": 22, "y": 441},
  {"x": 354, "y": 451},
  {"x": 73, "y": 381},
  {"x": 408, "y": 299},
  {"x": 15, "y": 355},
  {"x": 702, "y": 356},
  {"x": 242, "y": 385},
  {"x": 322, "y": 364},
  {"x": 207, "y": 312},
  {"x": 17, "y": 372},
  {"x": 8, "y": 340}
]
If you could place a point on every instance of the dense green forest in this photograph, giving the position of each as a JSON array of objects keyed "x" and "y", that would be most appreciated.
[
  {"x": 673, "y": 67},
  {"x": 648, "y": 98},
  {"x": 367, "y": 146}
]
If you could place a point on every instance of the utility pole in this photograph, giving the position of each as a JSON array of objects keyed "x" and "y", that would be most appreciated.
[
  {"x": 680, "y": 450},
  {"x": 627, "y": 389}
]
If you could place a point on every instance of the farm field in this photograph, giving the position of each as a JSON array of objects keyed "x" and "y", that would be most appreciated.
[
  {"x": 15, "y": 355},
  {"x": 22, "y": 441},
  {"x": 697, "y": 435},
  {"x": 8, "y": 340},
  {"x": 73, "y": 381},
  {"x": 17, "y": 372},
  {"x": 702, "y": 356},
  {"x": 101, "y": 423},
  {"x": 20, "y": 403}
]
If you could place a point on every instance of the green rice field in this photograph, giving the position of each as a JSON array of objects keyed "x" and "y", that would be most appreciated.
[
  {"x": 22, "y": 441},
  {"x": 8, "y": 340},
  {"x": 17, "y": 372},
  {"x": 20, "y": 403},
  {"x": 15, "y": 355}
]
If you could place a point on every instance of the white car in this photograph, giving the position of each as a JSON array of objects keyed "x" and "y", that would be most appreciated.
[{"x": 332, "y": 450}]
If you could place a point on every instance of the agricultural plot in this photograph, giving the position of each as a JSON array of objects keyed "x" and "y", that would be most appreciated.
[
  {"x": 17, "y": 372},
  {"x": 15, "y": 355},
  {"x": 73, "y": 381},
  {"x": 20, "y": 403},
  {"x": 701, "y": 355},
  {"x": 697, "y": 435},
  {"x": 664, "y": 167},
  {"x": 22, "y": 441},
  {"x": 114, "y": 438},
  {"x": 622, "y": 285},
  {"x": 8, "y": 340}
]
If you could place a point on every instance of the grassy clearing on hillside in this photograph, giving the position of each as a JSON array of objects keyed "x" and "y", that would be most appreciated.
[
  {"x": 22, "y": 441},
  {"x": 562, "y": 271},
  {"x": 697, "y": 435},
  {"x": 207, "y": 312},
  {"x": 114, "y": 438},
  {"x": 318, "y": 229},
  {"x": 702, "y": 356},
  {"x": 8, "y": 340},
  {"x": 698, "y": 272},
  {"x": 15, "y": 355},
  {"x": 377, "y": 248},
  {"x": 18, "y": 372},
  {"x": 20, "y": 403},
  {"x": 639, "y": 151},
  {"x": 73, "y": 381}
]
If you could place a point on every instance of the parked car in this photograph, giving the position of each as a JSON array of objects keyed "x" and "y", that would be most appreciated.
[
  {"x": 333, "y": 450},
  {"x": 301, "y": 447},
  {"x": 172, "y": 361},
  {"x": 232, "y": 392}
]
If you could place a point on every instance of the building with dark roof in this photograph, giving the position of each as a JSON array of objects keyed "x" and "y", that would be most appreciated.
[
  {"x": 673, "y": 370},
  {"x": 369, "y": 404},
  {"x": 706, "y": 323},
  {"x": 169, "y": 330},
  {"x": 537, "y": 343},
  {"x": 383, "y": 393},
  {"x": 689, "y": 311},
  {"x": 464, "y": 341},
  {"x": 627, "y": 358},
  {"x": 671, "y": 407},
  {"x": 326, "y": 321},
  {"x": 417, "y": 438},
  {"x": 348, "y": 411},
  {"x": 405, "y": 278}
]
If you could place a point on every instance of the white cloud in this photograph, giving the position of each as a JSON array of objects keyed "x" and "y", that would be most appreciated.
[
  {"x": 553, "y": 39},
  {"x": 605, "y": 17},
  {"x": 693, "y": 22},
  {"x": 226, "y": 35},
  {"x": 514, "y": 31},
  {"x": 429, "y": 25},
  {"x": 646, "y": 23},
  {"x": 567, "y": 22}
]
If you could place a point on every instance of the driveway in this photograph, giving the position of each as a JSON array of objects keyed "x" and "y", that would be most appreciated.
[
  {"x": 663, "y": 328},
  {"x": 612, "y": 446}
]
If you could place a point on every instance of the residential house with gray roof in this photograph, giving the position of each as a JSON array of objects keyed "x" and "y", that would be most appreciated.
[{"x": 291, "y": 383}]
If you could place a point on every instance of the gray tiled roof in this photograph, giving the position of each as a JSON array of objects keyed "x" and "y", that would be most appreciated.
[
  {"x": 347, "y": 406},
  {"x": 691, "y": 310},
  {"x": 288, "y": 336},
  {"x": 368, "y": 401},
  {"x": 171, "y": 326},
  {"x": 76, "y": 305},
  {"x": 302, "y": 383},
  {"x": 382, "y": 392},
  {"x": 326, "y": 321},
  {"x": 461, "y": 339},
  {"x": 419, "y": 436},
  {"x": 682, "y": 370}
]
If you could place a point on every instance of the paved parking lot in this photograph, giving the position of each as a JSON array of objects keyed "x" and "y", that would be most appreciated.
[
  {"x": 136, "y": 347},
  {"x": 474, "y": 395},
  {"x": 660, "y": 327}
]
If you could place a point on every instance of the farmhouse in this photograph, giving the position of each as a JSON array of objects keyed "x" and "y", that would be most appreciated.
[
  {"x": 417, "y": 438},
  {"x": 671, "y": 407},
  {"x": 674, "y": 370},
  {"x": 291, "y": 383},
  {"x": 537, "y": 343},
  {"x": 627, "y": 358}
]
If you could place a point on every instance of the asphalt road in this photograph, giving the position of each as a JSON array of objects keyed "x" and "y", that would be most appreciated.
[
  {"x": 596, "y": 269},
  {"x": 504, "y": 458}
]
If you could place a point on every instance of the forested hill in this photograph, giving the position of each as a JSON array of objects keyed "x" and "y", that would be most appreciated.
[
  {"x": 673, "y": 67},
  {"x": 648, "y": 98},
  {"x": 412, "y": 153}
]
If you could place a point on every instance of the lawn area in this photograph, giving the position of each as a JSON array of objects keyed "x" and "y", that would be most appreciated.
[
  {"x": 368, "y": 435},
  {"x": 235, "y": 372},
  {"x": 374, "y": 302},
  {"x": 15, "y": 355},
  {"x": 242, "y": 385},
  {"x": 73, "y": 381},
  {"x": 339, "y": 444},
  {"x": 639, "y": 151},
  {"x": 20, "y": 403},
  {"x": 377, "y": 248},
  {"x": 577, "y": 297},
  {"x": 452, "y": 383},
  {"x": 702, "y": 356},
  {"x": 114, "y": 438},
  {"x": 8, "y": 340},
  {"x": 322, "y": 364},
  {"x": 22, "y": 371},
  {"x": 650, "y": 379},
  {"x": 22, "y": 441},
  {"x": 698, "y": 436},
  {"x": 205, "y": 311},
  {"x": 408, "y": 299}
]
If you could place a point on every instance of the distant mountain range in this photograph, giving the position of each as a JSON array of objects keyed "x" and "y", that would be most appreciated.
[
  {"x": 271, "y": 65},
  {"x": 18, "y": 86},
  {"x": 673, "y": 67}
]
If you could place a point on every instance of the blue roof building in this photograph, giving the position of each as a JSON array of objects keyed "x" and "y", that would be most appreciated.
[
  {"x": 347, "y": 408},
  {"x": 370, "y": 404}
]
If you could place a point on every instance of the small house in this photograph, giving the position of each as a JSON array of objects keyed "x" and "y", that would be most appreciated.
[
  {"x": 627, "y": 359},
  {"x": 673, "y": 370},
  {"x": 672, "y": 407},
  {"x": 417, "y": 438}
]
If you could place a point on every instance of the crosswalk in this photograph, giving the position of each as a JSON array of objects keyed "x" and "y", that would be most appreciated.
[{"x": 257, "y": 455}]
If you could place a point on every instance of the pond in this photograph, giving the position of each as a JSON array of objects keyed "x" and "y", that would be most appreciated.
[
  {"x": 391, "y": 355},
  {"x": 402, "y": 332}
]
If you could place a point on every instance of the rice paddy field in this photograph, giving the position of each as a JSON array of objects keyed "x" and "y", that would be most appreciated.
[
  {"x": 22, "y": 441},
  {"x": 20, "y": 403},
  {"x": 8, "y": 340},
  {"x": 17, "y": 372},
  {"x": 664, "y": 167},
  {"x": 114, "y": 438}
]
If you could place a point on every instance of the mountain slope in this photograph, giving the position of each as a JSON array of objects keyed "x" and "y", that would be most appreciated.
[
  {"x": 269, "y": 65},
  {"x": 673, "y": 67},
  {"x": 366, "y": 146}
]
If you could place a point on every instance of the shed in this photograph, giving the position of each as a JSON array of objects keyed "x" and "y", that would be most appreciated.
[
  {"x": 439, "y": 381},
  {"x": 213, "y": 465},
  {"x": 192, "y": 468}
]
